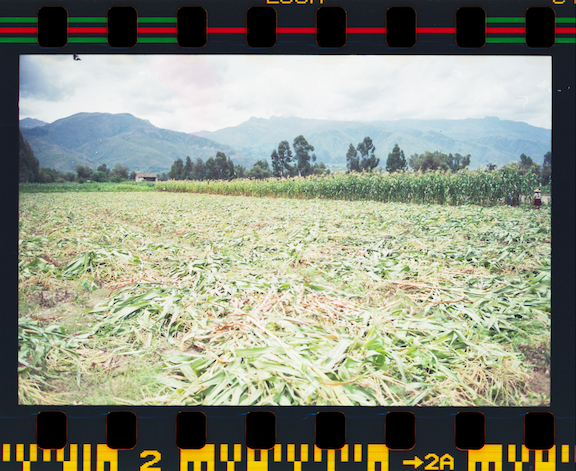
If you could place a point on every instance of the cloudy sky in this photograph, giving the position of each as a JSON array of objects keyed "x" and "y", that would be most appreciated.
[{"x": 191, "y": 93}]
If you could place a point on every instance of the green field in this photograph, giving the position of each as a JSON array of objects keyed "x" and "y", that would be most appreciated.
[{"x": 184, "y": 298}]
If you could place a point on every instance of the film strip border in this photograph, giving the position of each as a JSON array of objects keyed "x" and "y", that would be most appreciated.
[
  {"x": 99, "y": 456},
  {"x": 163, "y": 30}
]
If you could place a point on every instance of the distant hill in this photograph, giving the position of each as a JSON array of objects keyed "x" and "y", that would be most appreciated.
[
  {"x": 31, "y": 123},
  {"x": 96, "y": 138},
  {"x": 488, "y": 140}
]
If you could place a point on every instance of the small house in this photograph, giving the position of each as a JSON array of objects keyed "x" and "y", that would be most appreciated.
[{"x": 149, "y": 177}]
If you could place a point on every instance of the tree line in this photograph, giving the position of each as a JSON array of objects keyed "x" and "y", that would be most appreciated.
[
  {"x": 285, "y": 163},
  {"x": 361, "y": 158}
]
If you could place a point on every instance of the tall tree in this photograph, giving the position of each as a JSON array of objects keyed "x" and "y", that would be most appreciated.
[
  {"x": 352, "y": 159},
  {"x": 211, "y": 170},
  {"x": 396, "y": 160},
  {"x": 219, "y": 167},
  {"x": 277, "y": 167},
  {"x": 285, "y": 159},
  {"x": 199, "y": 170},
  {"x": 301, "y": 149},
  {"x": 366, "y": 149},
  {"x": 29, "y": 166},
  {"x": 225, "y": 166},
  {"x": 187, "y": 170},
  {"x": 176, "y": 170}
]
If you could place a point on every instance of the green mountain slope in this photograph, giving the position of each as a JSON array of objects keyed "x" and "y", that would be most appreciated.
[{"x": 96, "y": 138}]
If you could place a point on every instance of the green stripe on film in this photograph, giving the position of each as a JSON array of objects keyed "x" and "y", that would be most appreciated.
[
  {"x": 18, "y": 40},
  {"x": 157, "y": 20},
  {"x": 565, "y": 20},
  {"x": 83, "y": 19},
  {"x": 157, "y": 40},
  {"x": 506, "y": 20},
  {"x": 32, "y": 19},
  {"x": 566, "y": 40},
  {"x": 87, "y": 40},
  {"x": 505, "y": 40}
]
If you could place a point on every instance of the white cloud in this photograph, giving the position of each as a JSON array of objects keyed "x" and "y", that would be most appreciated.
[{"x": 191, "y": 93}]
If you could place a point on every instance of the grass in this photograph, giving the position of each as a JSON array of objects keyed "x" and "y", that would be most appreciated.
[
  {"x": 85, "y": 187},
  {"x": 180, "y": 298}
]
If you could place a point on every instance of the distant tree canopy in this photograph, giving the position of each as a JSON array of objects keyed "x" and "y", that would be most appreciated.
[
  {"x": 284, "y": 164},
  {"x": 240, "y": 171},
  {"x": 260, "y": 170},
  {"x": 120, "y": 170},
  {"x": 187, "y": 169},
  {"x": 362, "y": 156},
  {"x": 176, "y": 172},
  {"x": 526, "y": 162},
  {"x": 396, "y": 160},
  {"x": 99, "y": 176},
  {"x": 84, "y": 172},
  {"x": 368, "y": 160},
  {"x": 438, "y": 161},
  {"x": 302, "y": 156},
  {"x": 281, "y": 161},
  {"x": 219, "y": 167},
  {"x": 352, "y": 159}
]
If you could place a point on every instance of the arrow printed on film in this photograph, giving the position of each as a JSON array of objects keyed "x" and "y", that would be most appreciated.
[{"x": 415, "y": 462}]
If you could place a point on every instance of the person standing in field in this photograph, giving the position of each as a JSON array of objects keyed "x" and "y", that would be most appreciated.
[{"x": 537, "y": 199}]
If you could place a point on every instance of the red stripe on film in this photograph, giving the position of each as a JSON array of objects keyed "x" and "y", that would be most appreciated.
[
  {"x": 226, "y": 30},
  {"x": 87, "y": 29},
  {"x": 12, "y": 29},
  {"x": 296, "y": 30},
  {"x": 506, "y": 30},
  {"x": 441, "y": 30},
  {"x": 155, "y": 29},
  {"x": 366, "y": 30},
  {"x": 565, "y": 30}
]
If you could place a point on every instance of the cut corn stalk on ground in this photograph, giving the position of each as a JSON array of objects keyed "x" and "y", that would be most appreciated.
[{"x": 187, "y": 298}]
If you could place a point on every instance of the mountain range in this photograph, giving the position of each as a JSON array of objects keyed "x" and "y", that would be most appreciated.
[
  {"x": 101, "y": 138},
  {"x": 95, "y": 138},
  {"x": 488, "y": 140}
]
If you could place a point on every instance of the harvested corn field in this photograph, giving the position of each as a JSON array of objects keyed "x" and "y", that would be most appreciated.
[{"x": 182, "y": 298}]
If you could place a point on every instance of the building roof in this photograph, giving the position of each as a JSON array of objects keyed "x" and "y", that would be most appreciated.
[{"x": 140, "y": 174}]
